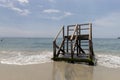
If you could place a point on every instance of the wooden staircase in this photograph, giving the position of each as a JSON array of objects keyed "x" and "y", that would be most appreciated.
[{"x": 76, "y": 45}]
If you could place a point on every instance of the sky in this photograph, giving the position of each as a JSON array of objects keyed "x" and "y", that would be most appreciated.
[{"x": 44, "y": 18}]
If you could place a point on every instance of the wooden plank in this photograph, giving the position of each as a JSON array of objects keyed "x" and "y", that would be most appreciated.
[
  {"x": 81, "y": 37},
  {"x": 72, "y": 60},
  {"x": 62, "y": 44},
  {"x": 79, "y": 41},
  {"x": 84, "y": 24},
  {"x": 64, "y": 39},
  {"x": 90, "y": 32},
  {"x": 71, "y": 25},
  {"x": 79, "y": 24},
  {"x": 76, "y": 27},
  {"x": 54, "y": 49},
  {"x": 81, "y": 49},
  {"x": 67, "y": 38}
]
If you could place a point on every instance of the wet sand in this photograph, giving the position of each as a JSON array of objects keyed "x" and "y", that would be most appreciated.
[{"x": 57, "y": 71}]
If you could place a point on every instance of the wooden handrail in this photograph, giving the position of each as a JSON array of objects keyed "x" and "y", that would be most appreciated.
[
  {"x": 84, "y": 24},
  {"x": 80, "y": 24},
  {"x": 76, "y": 27},
  {"x": 59, "y": 33},
  {"x": 75, "y": 42},
  {"x": 59, "y": 47}
]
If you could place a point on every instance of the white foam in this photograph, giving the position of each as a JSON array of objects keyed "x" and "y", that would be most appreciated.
[
  {"x": 109, "y": 61},
  {"x": 20, "y": 59}
]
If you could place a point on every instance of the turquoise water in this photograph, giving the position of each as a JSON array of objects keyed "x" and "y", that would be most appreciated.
[{"x": 26, "y": 51}]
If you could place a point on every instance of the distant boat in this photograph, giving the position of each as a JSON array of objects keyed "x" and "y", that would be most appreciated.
[
  {"x": 118, "y": 37},
  {"x": 1, "y": 40}
]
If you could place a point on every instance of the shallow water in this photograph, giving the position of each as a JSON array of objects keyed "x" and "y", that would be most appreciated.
[{"x": 28, "y": 51}]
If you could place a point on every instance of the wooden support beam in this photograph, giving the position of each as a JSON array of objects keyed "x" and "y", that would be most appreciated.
[
  {"x": 67, "y": 46},
  {"x": 54, "y": 49},
  {"x": 64, "y": 39},
  {"x": 90, "y": 32},
  {"x": 60, "y": 48},
  {"x": 75, "y": 29},
  {"x": 73, "y": 45}
]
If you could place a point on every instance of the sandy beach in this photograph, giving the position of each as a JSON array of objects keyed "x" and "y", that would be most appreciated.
[
  {"x": 36, "y": 33},
  {"x": 57, "y": 71}
]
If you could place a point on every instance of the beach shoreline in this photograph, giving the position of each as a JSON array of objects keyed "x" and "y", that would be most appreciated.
[{"x": 57, "y": 71}]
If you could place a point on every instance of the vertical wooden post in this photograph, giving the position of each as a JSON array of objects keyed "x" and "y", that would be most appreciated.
[
  {"x": 77, "y": 39},
  {"x": 54, "y": 49},
  {"x": 90, "y": 41},
  {"x": 64, "y": 40},
  {"x": 72, "y": 50},
  {"x": 67, "y": 38},
  {"x": 90, "y": 28}
]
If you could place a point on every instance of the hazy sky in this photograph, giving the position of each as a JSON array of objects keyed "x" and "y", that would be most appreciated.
[{"x": 44, "y": 18}]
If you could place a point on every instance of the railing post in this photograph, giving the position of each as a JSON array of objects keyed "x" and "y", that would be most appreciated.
[
  {"x": 67, "y": 38},
  {"x": 63, "y": 38},
  {"x": 73, "y": 32},
  {"x": 54, "y": 49},
  {"x": 79, "y": 42},
  {"x": 71, "y": 38},
  {"x": 90, "y": 42},
  {"x": 90, "y": 28},
  {"x": 55, "y": 52},
  {"x": 72, "y": 50},
  {"x": 77, "y": 39}
]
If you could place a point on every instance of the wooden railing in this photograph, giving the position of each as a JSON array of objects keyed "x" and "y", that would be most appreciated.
[
  {"x": 61, "y": 31},
  {"x": 55, "y": 45},
  {"x": 74, "y": 39},
  {"x": 74, "y": 35},
  {"x": 75, "y": 30}
]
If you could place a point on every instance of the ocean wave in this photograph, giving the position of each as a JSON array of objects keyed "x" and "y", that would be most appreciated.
[
  {"x": 27, "y": 58},
  {"x": 21, "y": 59},
  {"x": 110, "y": 61}
]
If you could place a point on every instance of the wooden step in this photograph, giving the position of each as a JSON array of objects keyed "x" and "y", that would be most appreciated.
[{"x": 81, "y": 37}]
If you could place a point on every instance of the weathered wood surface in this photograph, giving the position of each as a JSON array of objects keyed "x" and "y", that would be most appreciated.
[
  {"x": 72, "y": 47},
  {"x": 81, "y": 37}
]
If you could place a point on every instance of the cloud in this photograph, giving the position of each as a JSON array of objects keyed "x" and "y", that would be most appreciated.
[
  {"x": 56, "y": 14},
  {"x": 64, "y": 15},
  {"x": 110, "y": 20},
  {"x": 51, "y": 0},
  {"x": 23, "y": 1},
  {"x": 11, "y": 5},
  {"x": 51, "y": 11},
  {"x": 67, "y": 14},
  {"x": 21, "y": 11}
]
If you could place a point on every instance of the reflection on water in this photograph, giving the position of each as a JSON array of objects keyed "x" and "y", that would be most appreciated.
[{"x": 66, "y": 71}]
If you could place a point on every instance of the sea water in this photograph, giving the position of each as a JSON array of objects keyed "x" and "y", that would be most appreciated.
[
  {"x": 107, "y": 52},
  {"x": 25, "y": 51},
  {"x": 28, "y": 51}
]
